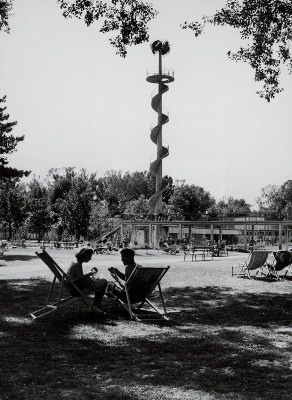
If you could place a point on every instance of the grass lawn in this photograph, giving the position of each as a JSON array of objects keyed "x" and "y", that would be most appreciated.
[{"x": 228, "y": 338}]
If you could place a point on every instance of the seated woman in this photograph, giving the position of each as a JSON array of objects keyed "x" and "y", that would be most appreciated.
[{"x": 88, "y": 283}]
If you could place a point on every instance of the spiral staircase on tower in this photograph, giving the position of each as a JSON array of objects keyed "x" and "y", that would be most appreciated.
[{"x": 166, "y": 75}]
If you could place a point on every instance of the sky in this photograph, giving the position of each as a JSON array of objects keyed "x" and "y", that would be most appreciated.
[{"x": 81, "y": 105}]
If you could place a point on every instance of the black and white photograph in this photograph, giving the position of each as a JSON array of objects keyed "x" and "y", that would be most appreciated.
[{"x": 145, "y": 199}]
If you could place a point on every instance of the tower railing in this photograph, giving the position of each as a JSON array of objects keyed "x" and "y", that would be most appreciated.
[
  {"x": 165, "y": 71},
  {"x": 159, "y": 153}
]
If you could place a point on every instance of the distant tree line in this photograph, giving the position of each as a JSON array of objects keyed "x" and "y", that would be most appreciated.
[{"x": 76, "y": 203}]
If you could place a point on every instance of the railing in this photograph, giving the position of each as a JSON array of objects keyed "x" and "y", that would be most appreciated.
[
  {"x": 165, "y": 112},
  {"x": 159, "y": 154},
  {"x": 164, "y": 71}
]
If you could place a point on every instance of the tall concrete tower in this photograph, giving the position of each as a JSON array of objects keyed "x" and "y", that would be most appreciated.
[{"x": 162, "y": 76}]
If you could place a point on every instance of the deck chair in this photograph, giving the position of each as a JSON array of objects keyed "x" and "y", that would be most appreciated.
[
  {"x": 62, "y": 283},
  {"x": 136, "y": 291},
  {"x": 169, "y": 248},
  {"x": 282, "y": 260},
  {"x": 3, "y": 246},
  {"x": 256, "y": 261}
]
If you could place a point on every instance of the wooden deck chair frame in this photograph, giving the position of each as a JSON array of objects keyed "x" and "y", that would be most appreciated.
[
  {"x": 66, "y": 284},
  {"x": 124, "y": 297},
  {"x": 273, "y": 272},
  {"x": 256, "y": 261}
]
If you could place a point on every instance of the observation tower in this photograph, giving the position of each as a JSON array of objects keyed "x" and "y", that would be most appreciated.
[{"x": 161, "y": 76}]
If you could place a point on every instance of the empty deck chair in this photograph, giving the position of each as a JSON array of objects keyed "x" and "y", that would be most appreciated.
[
  {"x": 62, "y": 283},
  {"x": 256, "y": 261},
  {"x": 282, "y": 261},
  {"x": 136, "y": 291}
]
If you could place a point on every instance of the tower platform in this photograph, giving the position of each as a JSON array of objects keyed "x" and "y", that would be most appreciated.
[{"x": 166, "y": 76}]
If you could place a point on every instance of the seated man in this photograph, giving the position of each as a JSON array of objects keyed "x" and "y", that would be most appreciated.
[
  {"x": 283, "y": 259},
  {"x": 127, "y": 257}
]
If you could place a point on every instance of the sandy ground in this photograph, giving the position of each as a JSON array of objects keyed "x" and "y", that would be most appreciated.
[{"x": 18, "y": 263}]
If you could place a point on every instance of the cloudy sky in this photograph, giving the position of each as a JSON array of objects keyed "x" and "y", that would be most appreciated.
[{"x": 79, "y": 104}]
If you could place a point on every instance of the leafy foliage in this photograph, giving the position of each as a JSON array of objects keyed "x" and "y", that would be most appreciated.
[
  {"x": 77, "y": 204},
  {"x": 266, "y": 29},
  {"x": 166, "y": 195},
  {"x": 137, "y": 206},
  {"x": 39, "y": 219},
  {"x": 8, "y": 144},
  {"x": 190, "y": 201},
  {"x": 12, "y": 204},
  {"x": 275, "y": 201},
  {"x": 100, "y": 220},
  {"x": 232, "y": 208},
  {"x": 160, "y": 47},
  {"x": 5, "y": 12},
  {"x": 127, "y": 17},
  {"x": 118, "y": 189},
  {"x": 71, "y": 195}
]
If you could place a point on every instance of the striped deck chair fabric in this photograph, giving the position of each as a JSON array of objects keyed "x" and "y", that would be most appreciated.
[{"x": 254, "y": 264}]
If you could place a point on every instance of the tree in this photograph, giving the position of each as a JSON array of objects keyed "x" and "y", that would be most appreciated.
[
  {"x": 231, "y": 208},
  {"x": 190, "y": 201},
  {"x": 118, "y": 189},
  {"x": 269, "y": 202},
  {"x": 100, "y": 220},
  {"x": 39, "y": 219},
  {"x": 166, "y": 195},
  {"x": 8, "y": 144},
  {"x": 286, "y": 191},
  {"x": 71, "y": 196},
  {"x": 137, "y": 207},
  {"x": 12, "y": 204},
  {"x": 5, "y": 9},
  {"x": 137, "y": 183},
  {"x": 266, "y": 28},
  {"x": 127, "y": 17},
  {"x": 275, "y": 201}
]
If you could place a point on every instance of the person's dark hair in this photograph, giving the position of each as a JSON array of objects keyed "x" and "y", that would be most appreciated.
[
  {"x": 128, "y": 253},
  {"x": 83, "y": 253}
]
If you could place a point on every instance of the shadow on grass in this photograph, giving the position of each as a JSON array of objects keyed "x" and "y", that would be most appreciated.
[
  {"x": 17, "y": 257},
  {"x": 225, "y": 345},
  {"x": 220, "y": 306}
]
